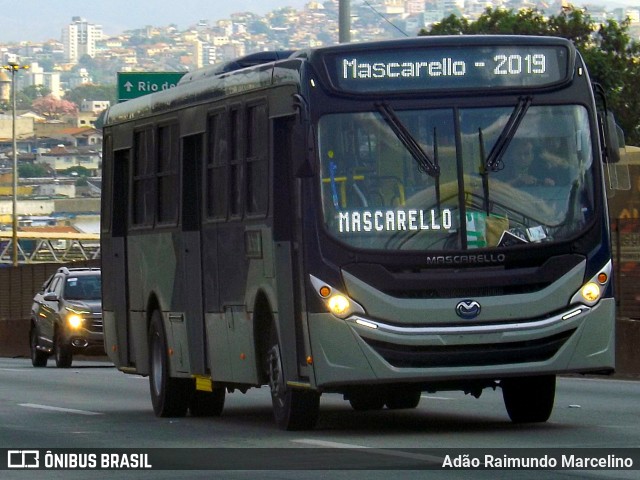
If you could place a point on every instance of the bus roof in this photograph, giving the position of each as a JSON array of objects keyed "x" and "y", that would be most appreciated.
[{"x": 257, "y": 70}]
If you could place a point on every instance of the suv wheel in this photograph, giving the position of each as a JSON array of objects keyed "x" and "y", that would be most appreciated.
[
  {"x": 38, "y": 357},
  {"x": 64, "y": 356}
]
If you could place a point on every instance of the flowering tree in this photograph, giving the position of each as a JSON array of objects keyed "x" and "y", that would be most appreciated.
[{"x": 52, "y": 107}]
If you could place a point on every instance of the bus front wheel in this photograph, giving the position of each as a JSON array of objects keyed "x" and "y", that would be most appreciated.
[
  {"x": 529, "y": 399},
  {"x": 169, "y": 396},
  {"x": 293, "y": 409}
]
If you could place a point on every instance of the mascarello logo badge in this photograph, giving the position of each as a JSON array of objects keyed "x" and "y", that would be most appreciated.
[{"x": 468, "y": 309}]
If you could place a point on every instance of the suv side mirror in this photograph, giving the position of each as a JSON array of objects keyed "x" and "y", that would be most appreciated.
[{"x": 51, "y": 297}]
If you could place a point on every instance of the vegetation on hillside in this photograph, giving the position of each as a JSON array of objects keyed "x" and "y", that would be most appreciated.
[{"x": 612, "y": 57}]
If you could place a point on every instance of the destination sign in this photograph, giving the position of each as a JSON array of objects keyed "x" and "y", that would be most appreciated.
[{"x": 468, "y": 67}]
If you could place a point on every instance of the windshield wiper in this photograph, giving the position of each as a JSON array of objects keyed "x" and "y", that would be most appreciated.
[
  {"x": 425, "y": 163},
  {"x": 508, "y": 132}
]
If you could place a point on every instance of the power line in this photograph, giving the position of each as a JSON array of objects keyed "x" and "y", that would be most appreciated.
[{"x": 384, "y": 18}]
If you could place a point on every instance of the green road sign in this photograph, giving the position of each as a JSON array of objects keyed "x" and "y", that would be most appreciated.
[{"x": 136, "y": 84}]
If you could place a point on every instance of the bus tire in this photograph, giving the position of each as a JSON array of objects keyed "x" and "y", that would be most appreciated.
[
  {"x": 169, "y": 396},
  {"x": 293, "y": 409},
  {"x": 529, "y": 399},
  {"x": 403, "y": 398},
  {"x": 207, "y": 404},
  {"x": 363, "y": 400}
]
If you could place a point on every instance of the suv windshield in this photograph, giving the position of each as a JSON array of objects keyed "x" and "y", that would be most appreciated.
[
  {"x": 376, "y": 194},
  {"x": 82, "y": 287}
]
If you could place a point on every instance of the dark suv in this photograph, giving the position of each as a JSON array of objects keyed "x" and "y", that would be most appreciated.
[{"x": 66, "y": 317}]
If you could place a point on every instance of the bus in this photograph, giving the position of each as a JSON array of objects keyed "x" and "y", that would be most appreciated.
[{"x": 373, "y": 220}]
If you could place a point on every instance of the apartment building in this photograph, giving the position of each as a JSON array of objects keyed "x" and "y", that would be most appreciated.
[{"x": 79, "y": 38}]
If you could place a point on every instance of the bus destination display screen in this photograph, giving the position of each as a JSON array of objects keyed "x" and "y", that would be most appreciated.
[{"x": 452, "y": 68}]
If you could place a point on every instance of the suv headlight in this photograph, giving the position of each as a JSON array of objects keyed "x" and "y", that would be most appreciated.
[
  {"x": 75, "y": 321},
  {"x": 75, "y": 318}
]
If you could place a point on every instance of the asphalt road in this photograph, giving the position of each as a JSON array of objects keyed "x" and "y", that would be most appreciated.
[{"x": 92, "y": 405}]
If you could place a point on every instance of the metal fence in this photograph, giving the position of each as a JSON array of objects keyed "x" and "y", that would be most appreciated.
[{"x": 18, "y": 285}]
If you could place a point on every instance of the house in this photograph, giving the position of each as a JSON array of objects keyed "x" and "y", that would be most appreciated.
[{"x": 63, "y": 157}]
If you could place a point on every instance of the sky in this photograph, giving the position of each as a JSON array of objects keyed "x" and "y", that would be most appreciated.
[{"x": 41, "y": 20}]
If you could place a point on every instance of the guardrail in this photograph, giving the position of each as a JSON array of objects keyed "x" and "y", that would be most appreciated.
[{"x": 36, "y": 247}]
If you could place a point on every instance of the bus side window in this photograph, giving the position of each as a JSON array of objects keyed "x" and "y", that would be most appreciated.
[
  {"x": 257, "y": 173},
  {"x": 144, "y": 179},
  {"x": 235, "y": 162},
  {"x": 168, "y": 185},
  {"x": 216, "y": 174}
]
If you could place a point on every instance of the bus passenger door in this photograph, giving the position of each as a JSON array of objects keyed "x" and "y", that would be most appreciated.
[
  {"x": 115, "y": 299},
  {"x": 190, "y": 295}
]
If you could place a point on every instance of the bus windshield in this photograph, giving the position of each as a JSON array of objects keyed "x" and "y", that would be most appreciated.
[{"x": 434, "y": 179}]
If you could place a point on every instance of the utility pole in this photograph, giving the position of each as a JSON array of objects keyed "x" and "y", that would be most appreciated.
[
  {"x": 13, "y": 67},
  {"x": 344, "y": 21}
]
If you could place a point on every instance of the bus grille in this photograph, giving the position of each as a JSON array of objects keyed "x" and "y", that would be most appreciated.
[{"x": 410, "y": 356}]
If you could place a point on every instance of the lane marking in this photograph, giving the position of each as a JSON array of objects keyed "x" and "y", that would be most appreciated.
[
  {"x": 373, "y": 450},
  {"x": 433, "y": 397},
  {"x": 58, "y": 409}
]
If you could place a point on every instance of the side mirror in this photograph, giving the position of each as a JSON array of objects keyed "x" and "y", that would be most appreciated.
[
  {"x": 614, "y": 139},
  {"x": 51, "y": 297}
]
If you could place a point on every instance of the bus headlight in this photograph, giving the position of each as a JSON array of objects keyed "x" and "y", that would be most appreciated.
[
  {"x": 336, "y": 302},
  {"x": 591, "y": 292}
]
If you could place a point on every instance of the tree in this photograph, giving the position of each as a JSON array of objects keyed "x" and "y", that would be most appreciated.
[
  {"x": 52, "y": 107},
  {"x": 26, "y": 96},
  {"x": 611, "y": 56},
  {"x": 92, "y": 92},
  {"x": 33, "y": 170}
]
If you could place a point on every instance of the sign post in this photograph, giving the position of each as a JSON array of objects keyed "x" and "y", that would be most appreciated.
[{"x": 136, "y": 84}]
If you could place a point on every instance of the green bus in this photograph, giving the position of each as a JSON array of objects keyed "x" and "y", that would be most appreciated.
[{"x": 374, "y": 220}]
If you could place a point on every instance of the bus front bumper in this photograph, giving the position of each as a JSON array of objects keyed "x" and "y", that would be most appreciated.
[{"x": 360, "y": 350}]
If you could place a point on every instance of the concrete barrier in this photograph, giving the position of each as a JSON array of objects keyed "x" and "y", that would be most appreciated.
[
  {"x": 14, "y": 338},
  {"x": 628, "y": 347}
]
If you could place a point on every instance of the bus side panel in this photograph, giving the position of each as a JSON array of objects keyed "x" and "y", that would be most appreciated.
[
  {"x": 218, "y": 355},
  {"x": 233, "y": 268},
  {"x": 151, "y": 280},
  {"x": 185, "y": 309},
  {"x": 218, "y": 347}
]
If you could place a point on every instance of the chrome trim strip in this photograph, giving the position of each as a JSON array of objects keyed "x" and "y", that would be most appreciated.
[{"x": 488, "y": 328}]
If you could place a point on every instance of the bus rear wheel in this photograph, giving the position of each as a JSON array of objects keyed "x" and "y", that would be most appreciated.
[
  {"x": 207, "y": 404},
  {"x": 293, "y": 409},
  {"x": 529, "y": 399},
  {"x": 169, "y": 396}
]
